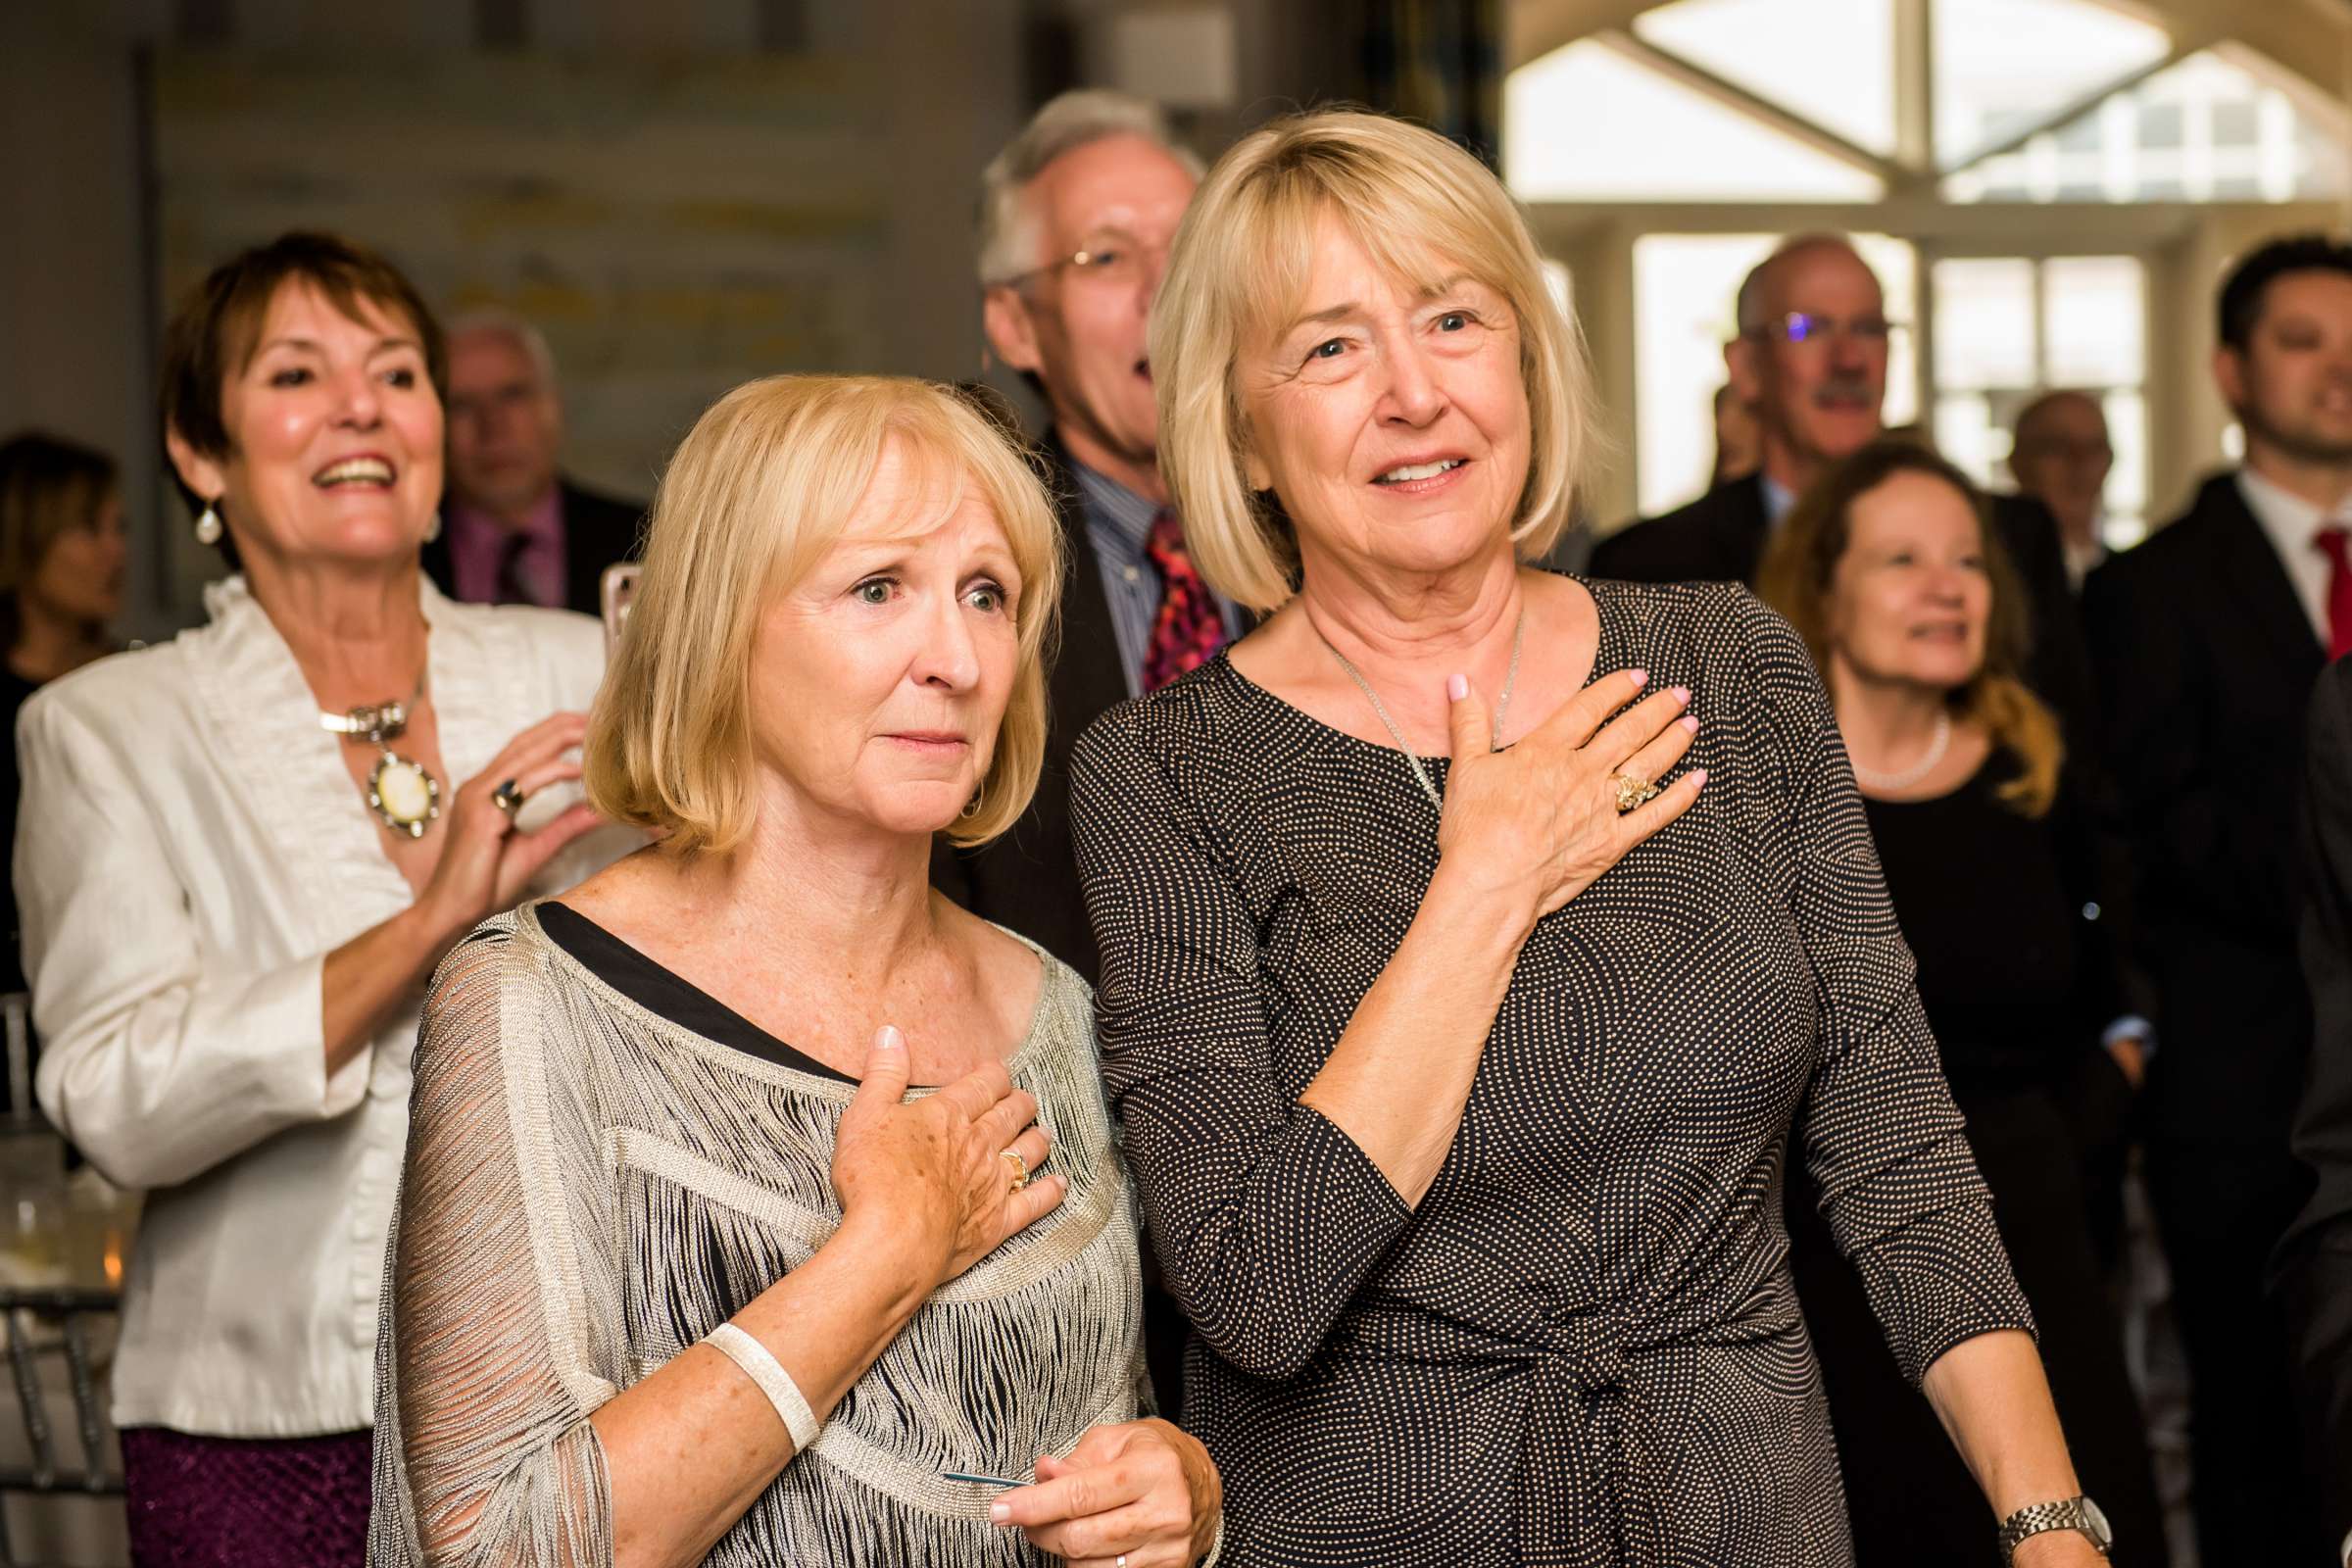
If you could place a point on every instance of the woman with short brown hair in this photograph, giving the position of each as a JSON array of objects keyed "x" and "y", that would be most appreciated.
[{"x": 240, "y": 855}]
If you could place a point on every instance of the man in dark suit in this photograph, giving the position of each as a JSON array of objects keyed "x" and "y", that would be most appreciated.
[
  {"x": 1076, "y": 214},
  {"x": 2315, "y": 1261},
  {"x": 514, "y": 531},
  {"x": 1810, "y": 358},
  {"x": 2207, "y": 639}
]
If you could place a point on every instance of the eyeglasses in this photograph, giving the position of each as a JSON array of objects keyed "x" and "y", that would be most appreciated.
[
  {"x": 1803, "y": 330},
  {"x": 1111, "y": 259}
]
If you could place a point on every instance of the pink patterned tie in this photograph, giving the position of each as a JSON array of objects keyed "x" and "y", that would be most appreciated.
[{"x": 1190, "y": 627}]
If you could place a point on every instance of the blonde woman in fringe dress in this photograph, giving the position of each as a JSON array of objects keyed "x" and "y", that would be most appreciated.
[{"x": 665, "y": 1288}]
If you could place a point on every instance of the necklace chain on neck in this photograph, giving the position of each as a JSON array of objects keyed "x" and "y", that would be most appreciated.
[
  {"x": 1503, "y": 705},
  {"x": 379, "y": 723},
  {"x": 1886, "y": 783}
]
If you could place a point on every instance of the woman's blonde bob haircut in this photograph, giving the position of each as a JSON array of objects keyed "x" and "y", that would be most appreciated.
[
  {"x": 764, "y": 486},
  {"x": 1422, "y": 209}
]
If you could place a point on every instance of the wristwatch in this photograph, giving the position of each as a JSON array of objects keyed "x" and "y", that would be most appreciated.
[{"x": 2074, "y": 1513}]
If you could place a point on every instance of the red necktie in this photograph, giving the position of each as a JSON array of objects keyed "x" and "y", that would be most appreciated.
[
  {"x": 1190, "y": 627},
  {"x": 2329, "y": 542}
]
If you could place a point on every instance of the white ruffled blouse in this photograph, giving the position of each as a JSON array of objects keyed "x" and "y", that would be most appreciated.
[{"x": 190, "y": 847}]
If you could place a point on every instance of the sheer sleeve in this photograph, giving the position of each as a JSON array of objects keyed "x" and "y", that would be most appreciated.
[
  {"x": 493, "y": 1346},
  {"x": 1880, "y": 1134}
]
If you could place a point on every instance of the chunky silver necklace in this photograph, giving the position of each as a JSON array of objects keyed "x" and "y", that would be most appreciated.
[
  {"x": 1895, "y": 783},
  {"x": 401, "y": 790},
  {"x": 1502, "y": 705}
]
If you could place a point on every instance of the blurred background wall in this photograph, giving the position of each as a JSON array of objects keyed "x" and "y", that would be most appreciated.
[{"x": 689, "y": 192}]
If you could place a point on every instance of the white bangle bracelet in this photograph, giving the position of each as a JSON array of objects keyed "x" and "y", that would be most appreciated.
[{"x": 792, "y": 1409}]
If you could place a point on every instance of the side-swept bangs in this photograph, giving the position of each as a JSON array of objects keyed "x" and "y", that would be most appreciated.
[
  {"x": 1422, "y": 209},
  {"x": 767, "y": 482}
]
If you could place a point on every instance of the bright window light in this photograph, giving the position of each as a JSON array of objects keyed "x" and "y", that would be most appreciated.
[
  {"x": 2219, "y": 126},
  {"x": 2001, "y": 65},
  {"x": 1829, "y": 61},
  {"x": 1586, "y": 123}
]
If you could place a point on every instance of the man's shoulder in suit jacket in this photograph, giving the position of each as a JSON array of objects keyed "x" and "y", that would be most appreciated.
[
  {"x": 1717, "y": 538},
  {"x": 599, "y": 531},
  {"x": 1027, "y": 879},
  {"x": 2314, "y": 1274},
  {"x": 2059, "y": 664},
  {"x": 2205, "y": 658},
  {"x": 2183, "y": 548}
]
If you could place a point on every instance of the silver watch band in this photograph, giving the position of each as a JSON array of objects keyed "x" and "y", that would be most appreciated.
[{"x": 2079, "y": 1514}]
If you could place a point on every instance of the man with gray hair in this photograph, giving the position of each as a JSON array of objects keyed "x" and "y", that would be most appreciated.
[
  {"x": 1076, "y": 216},
  {"x": 512, "y": 530}
]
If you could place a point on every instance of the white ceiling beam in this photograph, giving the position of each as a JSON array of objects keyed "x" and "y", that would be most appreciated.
[
  {"x": 1534, "y": 28},
  {"x": 1738, "y": 99},
  {"x": 2180, "y": 49}
]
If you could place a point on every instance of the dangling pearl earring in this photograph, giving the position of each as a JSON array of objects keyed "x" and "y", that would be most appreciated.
[
  {"x": 208, "y": 525},
  {"x": 432, "y": 527}
]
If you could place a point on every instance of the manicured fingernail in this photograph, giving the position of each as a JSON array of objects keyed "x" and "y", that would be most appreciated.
[
  {"x": 1458, "y": 687},
  {"x": 1000, "y": 1512},
  {"x": 1689, "y": 722},
  {"x": 1641, "y": 676},
  {"x": 1698, "y": 777},
  {"x": 889, "y": 1038},
  {"x": 1681, "y": 694}
]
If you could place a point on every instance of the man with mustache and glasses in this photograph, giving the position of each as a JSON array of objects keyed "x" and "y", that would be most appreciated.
[
  {"x": 1811, "y": 359},
  {"x": 2208, "y": 639}
]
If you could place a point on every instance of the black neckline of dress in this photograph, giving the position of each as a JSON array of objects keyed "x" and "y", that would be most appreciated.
[{"x": 667, "y": 994}]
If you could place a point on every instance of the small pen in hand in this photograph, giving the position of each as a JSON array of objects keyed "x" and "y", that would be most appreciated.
[{"x": 980, "y": 1480}]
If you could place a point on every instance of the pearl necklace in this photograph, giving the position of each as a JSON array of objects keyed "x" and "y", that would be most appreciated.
[{"x": 1895, "y": 783}]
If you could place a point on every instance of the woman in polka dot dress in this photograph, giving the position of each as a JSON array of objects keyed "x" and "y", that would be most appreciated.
[{"x": 1459, "y": 1036}]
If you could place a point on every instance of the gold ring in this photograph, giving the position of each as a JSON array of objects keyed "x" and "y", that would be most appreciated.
[
  {"x": 1020, "y": 1168},
  {"x": 506, "y": 798},
  {"x": 1632, "y": 790}
]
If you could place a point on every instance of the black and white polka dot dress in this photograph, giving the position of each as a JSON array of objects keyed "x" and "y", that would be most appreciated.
[{"x": 1582, "y": 1348}]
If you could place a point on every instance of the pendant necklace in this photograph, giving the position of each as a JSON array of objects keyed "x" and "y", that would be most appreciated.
[
  {"x": 401, "y": 790},
  {"x": 1503, "y": 705}
]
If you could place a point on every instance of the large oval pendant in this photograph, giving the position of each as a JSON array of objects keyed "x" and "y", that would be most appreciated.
[{"x": 404, "y": 794}]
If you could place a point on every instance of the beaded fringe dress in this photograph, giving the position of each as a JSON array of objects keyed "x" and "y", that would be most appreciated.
[{"x": 591, "y": 1187}]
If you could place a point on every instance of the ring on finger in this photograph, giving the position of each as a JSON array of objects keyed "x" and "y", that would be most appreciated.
[
  {"x": 507, "y": 798},
  {"x": 1020, "y": 1168},
  {"x": 1632, "y": 790}
]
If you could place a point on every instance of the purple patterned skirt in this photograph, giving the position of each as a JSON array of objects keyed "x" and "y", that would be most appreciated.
[{"x": 246, "y": 1502}]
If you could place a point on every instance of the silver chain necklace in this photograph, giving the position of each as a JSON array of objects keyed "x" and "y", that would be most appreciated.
[
  {"x": 1895, "y": 783},
  {"x": 1503, "y": 705}
]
